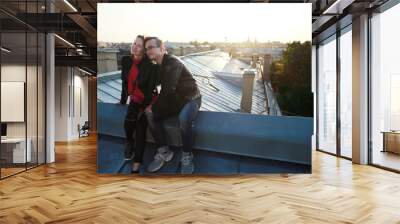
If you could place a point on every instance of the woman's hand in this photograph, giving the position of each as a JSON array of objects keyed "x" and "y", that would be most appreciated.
[{"x": 148, "y": 109}]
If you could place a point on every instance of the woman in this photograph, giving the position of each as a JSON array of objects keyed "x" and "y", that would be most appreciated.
[{"x": 139, "y": 76}]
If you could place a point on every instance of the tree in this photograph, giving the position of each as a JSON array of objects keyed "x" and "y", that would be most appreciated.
[{"x": 292, "y": 83}]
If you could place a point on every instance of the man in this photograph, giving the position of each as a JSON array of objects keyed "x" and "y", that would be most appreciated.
[{"x": 180, "y": 96}]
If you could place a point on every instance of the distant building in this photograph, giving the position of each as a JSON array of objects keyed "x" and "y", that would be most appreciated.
[
  {"x": 181, "y": 49},
  {"x": 107, "y": 60},
  {"x": 276, "y": 53}
]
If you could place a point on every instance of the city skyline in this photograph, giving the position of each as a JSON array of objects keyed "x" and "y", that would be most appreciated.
[
  {"x": 219, "y": 24},
  {"x": 205, "y": 42}
]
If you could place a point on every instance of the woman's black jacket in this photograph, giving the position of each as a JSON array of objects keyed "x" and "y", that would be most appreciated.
[{"x": 147, "y": 78}]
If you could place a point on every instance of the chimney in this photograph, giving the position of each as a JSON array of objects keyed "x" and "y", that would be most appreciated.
[
  {"x": 247, "y": 90},
  {"x": 266, "y": 67}
]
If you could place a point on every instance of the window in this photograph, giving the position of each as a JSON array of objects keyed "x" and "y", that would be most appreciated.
[
  {"x": 327, "y": 95},
  {"x": 346, "y": 92},
  {"x": 385, "y": 88},
  {"x": 22, "y": 75}
]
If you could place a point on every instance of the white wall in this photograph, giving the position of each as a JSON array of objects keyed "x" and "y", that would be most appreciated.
[
  {"x": 70, "y": 84},
  {"x": 34, "y": 125},
  {"x": 14, "y": 73},
  {"x": 80, "y": 94},
  {"x": 17, "y": 73},
  {"x": 62, "y": 78}
]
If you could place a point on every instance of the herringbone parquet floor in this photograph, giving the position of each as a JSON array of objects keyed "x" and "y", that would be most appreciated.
[{"x": 70, "y": 191}]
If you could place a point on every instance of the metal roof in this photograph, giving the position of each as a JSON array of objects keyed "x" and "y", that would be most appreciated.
[{"x": 218, "y": 76}]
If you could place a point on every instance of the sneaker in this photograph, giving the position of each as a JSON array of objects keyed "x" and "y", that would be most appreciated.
[
  {"x": 129, "y": 154},
  {"x": 164, "y": 154},
  {"x": 187, "y": 166}
]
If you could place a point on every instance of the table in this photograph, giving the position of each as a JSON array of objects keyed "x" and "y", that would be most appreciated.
[
  {"x": 13, "y": 150},
  {"x": 391, "y": 141}
]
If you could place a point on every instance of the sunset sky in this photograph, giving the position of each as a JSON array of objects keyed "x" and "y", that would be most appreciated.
[{"x": 180, "y": 22}]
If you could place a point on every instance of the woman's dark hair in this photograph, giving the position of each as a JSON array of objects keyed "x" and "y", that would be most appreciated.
[{"x": 143, "y": 39}]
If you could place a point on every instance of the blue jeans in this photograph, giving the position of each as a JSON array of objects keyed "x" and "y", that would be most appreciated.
[{"x": 187, "y": 116}]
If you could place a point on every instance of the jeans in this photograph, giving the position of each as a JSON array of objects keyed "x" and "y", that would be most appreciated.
[
  {"x": 187, "y": 116},
  {"x": 135, "y": 130}
]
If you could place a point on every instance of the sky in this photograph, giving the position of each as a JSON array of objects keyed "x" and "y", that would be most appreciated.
[{"x": 212, "y": 22}]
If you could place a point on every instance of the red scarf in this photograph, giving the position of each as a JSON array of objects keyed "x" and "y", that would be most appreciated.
[{"x": 136, "y": 95}]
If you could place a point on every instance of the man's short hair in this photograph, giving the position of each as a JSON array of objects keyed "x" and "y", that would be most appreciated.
[{"x": 158, "y": 40}]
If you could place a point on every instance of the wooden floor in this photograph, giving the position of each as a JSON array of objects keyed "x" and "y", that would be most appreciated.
[
  {"x": 10, "y": 171},
  {"x": 5, "y": 172},
  {"x": 70, "y": 191},
  {"x": 387, "y": 159}
]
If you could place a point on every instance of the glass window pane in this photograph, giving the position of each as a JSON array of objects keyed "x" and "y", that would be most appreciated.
[
  {"x": 31, "y": 97},
  {"x": 346, "y": 94},
  {"x": 385, "y": 89},
  {"x": 13, "y": 84},
  {"x": 22, "y": 63},
  {"x": 327, "y": 96},
  {"x": 41, "y": 98}
]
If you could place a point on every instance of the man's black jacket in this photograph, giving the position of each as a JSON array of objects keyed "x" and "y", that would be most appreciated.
[
  {"x": 177, "y": 86},
  {"x": 147, "y": 78}
]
